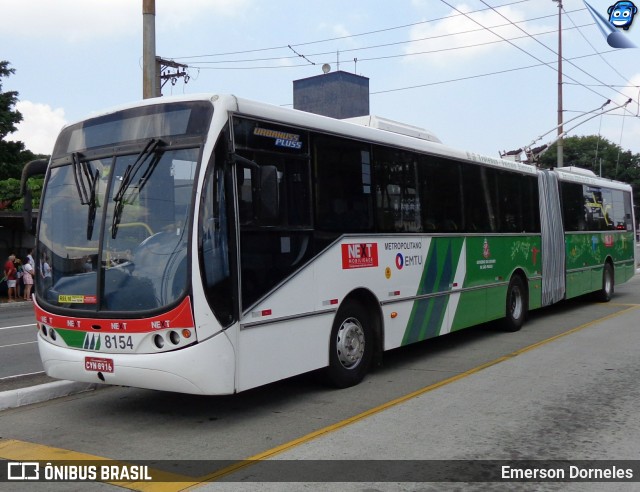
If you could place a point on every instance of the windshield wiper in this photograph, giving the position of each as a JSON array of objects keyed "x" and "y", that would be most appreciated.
[
  {"x": 86, "y": 184},
  {"x": 124, "y": 193}
]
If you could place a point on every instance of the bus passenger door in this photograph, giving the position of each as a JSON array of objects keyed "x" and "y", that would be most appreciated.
[{"x": 274, "y": 216}]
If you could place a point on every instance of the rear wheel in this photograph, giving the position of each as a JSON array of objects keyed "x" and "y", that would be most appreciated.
[
  {"x": 608, "y": 281},
  {"x": 517, "y": 304},
  {"x": 351, "y": 345}
]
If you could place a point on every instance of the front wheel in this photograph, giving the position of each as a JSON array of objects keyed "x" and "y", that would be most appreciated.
[
  {"x": 351, "y": 345},
  {"x": 517, "y": 304}
]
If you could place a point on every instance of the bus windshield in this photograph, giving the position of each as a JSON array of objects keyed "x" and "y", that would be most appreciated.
[{"x": 114, "y": 221}]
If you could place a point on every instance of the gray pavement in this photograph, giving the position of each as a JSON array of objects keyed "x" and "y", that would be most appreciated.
[{"x": 472, "y": 418}]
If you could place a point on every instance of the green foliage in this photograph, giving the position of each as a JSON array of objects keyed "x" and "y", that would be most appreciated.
[
  {"x": 9, "y": 118},
  {"x": 10, "y": 198},
  {"x": 9, "y": 192},
  {"x": 13, "y": 155},
  {"x": 35, "y": 186}
]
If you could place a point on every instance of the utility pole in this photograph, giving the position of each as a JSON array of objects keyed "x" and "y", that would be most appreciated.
[
  {"x": 560, "y": 147},
  {"x": 150, "y": 86},
  {"x": 154, "y": 68}
]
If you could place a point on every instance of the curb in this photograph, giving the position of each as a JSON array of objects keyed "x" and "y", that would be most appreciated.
[
  {"x": 43, "y": 392},
  {"x": 17, "y": 304}
]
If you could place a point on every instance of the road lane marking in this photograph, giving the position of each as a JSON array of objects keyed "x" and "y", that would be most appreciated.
[
  {"x": 15, "y": 450},
  {"x": 16, "y": 344},
  {"x": 21, "y": 375},
  {"x": 17, "y": 326},
  {"x": 270, "y": 453}
]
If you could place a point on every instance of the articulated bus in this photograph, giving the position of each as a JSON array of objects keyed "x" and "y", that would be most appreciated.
[{"x": 210, "y": 244}]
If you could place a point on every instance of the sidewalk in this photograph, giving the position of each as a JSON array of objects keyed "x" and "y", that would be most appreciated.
[
  {"x": 33, "y": 388},
  {"x": 4, "y": 302}
]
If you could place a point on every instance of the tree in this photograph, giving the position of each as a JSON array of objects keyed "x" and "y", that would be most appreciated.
[
  {"x": 601, "y": 156},
  {"x": 13, "y": 155}
]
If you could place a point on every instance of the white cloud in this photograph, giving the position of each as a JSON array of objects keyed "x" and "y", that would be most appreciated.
[
  {"x": 465, "y": 37},
  {"x": 70, "y": 20},
  {"x": 633, "y": 91},
  {"x": 79, "y": 21},
  {"x": 39, "y": 127},
  {"x": 178, "y": 12}
]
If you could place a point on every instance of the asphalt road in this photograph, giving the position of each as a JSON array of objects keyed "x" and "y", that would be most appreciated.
[
  {"x": 564, "y": 387},
  {"x": 18, "y": 346}
]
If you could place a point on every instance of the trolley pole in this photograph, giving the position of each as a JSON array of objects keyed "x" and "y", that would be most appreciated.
[
  {"x": 559, "y": 146},
  {"x": 149, "y": 72}
]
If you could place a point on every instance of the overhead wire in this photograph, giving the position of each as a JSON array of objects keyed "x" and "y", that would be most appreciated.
[
  {"x": 518, "y": 47},
  {"x": 338, "y": 38},
  {"x": 593, "y": 47},
  {"x": 376, "y": 46},
  {"x": 623, "y": 77},
  {"x": 199, "y": 64},
  {"x": 552, "y": 51},
  {"x": 476, "y": 76},
  {"x": 376, "y": 58}
]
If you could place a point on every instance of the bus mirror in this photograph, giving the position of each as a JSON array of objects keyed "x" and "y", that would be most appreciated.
[
  {"x": 269, "y": 199},
  {"x": 33, "y": 168}
]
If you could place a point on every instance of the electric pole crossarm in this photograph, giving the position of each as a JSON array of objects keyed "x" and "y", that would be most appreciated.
[{"x": 164, "y": 76}]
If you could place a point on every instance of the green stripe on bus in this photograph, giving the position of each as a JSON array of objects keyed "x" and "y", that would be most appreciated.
[{"x": 427, "y": 315}]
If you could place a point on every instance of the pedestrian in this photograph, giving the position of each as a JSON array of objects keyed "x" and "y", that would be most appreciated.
[
  {"x": 10, "y": 274},
  {"x": 18, "y": 264},
  {"x": 29, "y": 259},
  {"x": 27, "y": 278}
]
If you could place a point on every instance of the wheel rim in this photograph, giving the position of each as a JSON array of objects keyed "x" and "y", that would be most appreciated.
[
  {"x": 516, "y": 303},
  {"x": 350, "y": 343}
]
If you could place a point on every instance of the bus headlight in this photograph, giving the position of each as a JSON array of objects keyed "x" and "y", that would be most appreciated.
[{"x": 158, "y": 341}]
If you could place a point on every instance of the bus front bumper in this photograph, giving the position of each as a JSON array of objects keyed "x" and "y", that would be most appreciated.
[{"x": 206, "y": 368}]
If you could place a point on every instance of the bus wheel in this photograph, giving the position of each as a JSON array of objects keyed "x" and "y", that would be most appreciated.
[
  {"x": 351, "y": 346},
  {"x": 606, "y": 293},
  {"x": 517, "y": 304}
]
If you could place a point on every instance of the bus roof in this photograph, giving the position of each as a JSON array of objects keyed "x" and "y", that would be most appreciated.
[
  {"x": 364, "y": 128},
  {"x": 361, "y": 132},
  {"x": 587, "y": 177}
]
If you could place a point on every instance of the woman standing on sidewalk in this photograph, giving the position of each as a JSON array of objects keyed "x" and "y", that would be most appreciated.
[
  {"x": 10, "y": 274},
  {"x": 27, "y": 278}
]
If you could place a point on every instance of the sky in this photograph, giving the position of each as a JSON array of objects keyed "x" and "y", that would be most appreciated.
[{"x": 480, "y": 74}]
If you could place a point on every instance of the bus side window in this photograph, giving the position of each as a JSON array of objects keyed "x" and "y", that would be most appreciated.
[
  {"x": 396, "y": 186},
  {"x": 343, "y": 185},
  {"x": 573, "y": 212}
]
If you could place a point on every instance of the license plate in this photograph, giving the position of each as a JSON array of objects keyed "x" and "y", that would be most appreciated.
[{"x": 98, "y": 364}]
